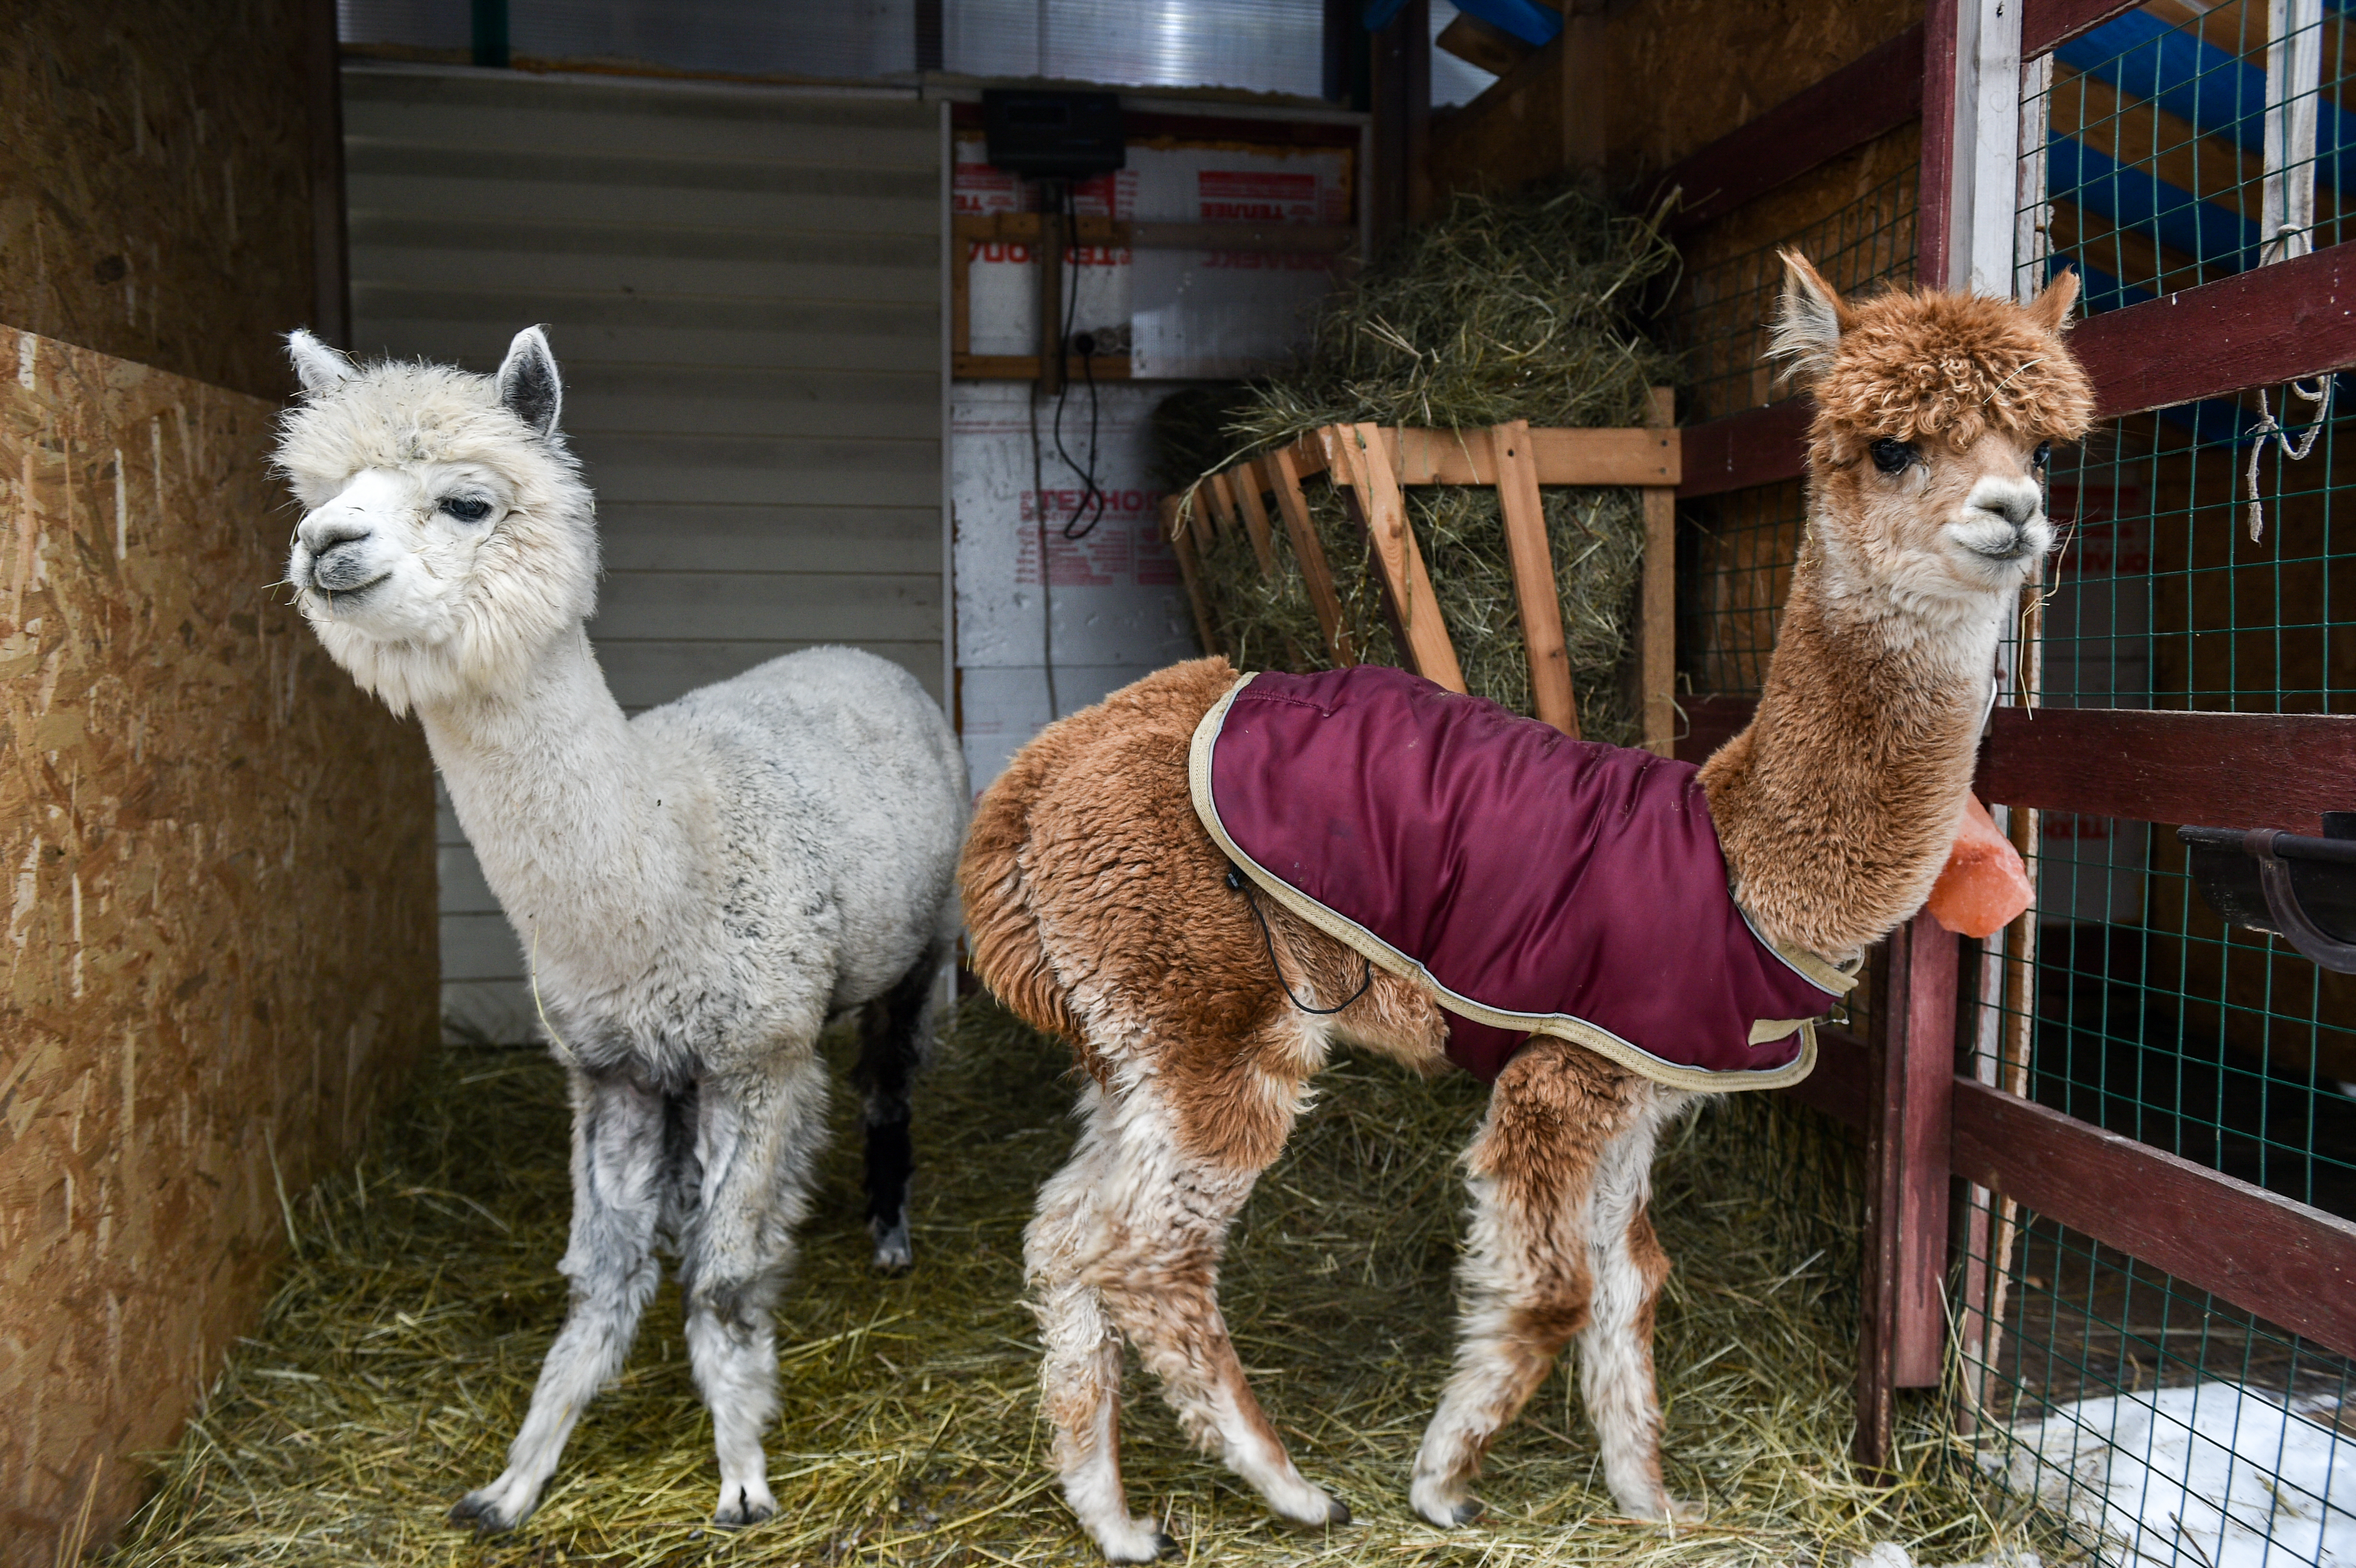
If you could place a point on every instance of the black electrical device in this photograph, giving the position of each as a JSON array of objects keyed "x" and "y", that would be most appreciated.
[{"x": 1053, "y": 135}]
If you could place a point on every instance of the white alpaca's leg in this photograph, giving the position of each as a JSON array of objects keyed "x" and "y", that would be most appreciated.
[
  {"x": 617, "y": 1179},
  {"x": 756, "y": 1138},
  {"x": 1616, "y": 1351},
  {"x": 1525, "y": 1280}
]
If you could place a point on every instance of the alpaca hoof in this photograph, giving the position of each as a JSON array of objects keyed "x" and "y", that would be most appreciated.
[
  {"x": 1142, "y": 1541},
  {"x": 893, "y": 1252},
  {"x": 479, "y": 1512},
  {"x": 1337, "y": 1512},
  {"x": 1443, "y": 1503},
  {"x": 1685, "y": 1510},
  {"x": 743, "y": 1504},
  {"x": 1451, "y": 1513}
]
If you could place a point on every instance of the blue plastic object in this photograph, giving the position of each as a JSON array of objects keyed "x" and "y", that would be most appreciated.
[
  {"x": 1532, "y": 23},
  {"x": 2217, "y": 93}
]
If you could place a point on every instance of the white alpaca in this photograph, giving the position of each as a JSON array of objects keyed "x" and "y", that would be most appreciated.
[{"x": 700, "y": 889}]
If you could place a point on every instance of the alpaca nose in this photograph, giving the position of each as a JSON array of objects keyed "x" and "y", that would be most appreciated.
[{"x": 338, "y": 557}]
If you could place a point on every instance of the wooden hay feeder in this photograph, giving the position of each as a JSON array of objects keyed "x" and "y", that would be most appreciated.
[{"x": 1369, "y": 464}]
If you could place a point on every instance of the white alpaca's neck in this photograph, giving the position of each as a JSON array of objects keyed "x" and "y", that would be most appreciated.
[{"x": 572, "y": 817}]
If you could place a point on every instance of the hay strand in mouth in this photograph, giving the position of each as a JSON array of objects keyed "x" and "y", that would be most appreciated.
[{"x": 399, "y": 1353}]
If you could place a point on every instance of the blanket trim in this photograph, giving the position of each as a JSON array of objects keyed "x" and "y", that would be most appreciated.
[{"x": 1562, "y": 1026}]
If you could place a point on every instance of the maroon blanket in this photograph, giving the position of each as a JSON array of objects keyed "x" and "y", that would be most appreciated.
[{"x": 1543, "y": 884}]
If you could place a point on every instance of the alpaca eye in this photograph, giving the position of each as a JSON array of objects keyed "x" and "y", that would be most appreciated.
[
  {"x": 2044, "y": 451},
  {"x": 467, "y": 508},
  {"x": 1892, "y": 456}
]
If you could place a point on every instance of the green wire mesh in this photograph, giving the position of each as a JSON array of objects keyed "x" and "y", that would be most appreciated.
[{"x": 2167, "y": 1426}]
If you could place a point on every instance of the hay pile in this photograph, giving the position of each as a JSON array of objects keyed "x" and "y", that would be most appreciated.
[
  {"x": 1503, "y": 307},
  {"x": 400, "y": 1350}
]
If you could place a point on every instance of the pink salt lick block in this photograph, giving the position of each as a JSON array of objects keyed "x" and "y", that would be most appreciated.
[{"x": 1985, "y": 885}]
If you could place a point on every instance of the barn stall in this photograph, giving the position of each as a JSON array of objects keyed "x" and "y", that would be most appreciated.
[{"x": 2052, "y": 1252}]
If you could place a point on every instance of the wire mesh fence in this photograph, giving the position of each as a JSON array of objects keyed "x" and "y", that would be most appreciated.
[
  {"x": 2175, "y": 145},
  {"x": 2203, "y": 568}
]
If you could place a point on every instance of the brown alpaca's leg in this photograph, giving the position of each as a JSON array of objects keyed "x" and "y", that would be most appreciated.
[
  {"x": 1080, "y": 1375},
  {"x": 1615, "y": 1352},
  {"x": 1532, "y": 1276},
  {"x": 1128, "y": 1240}
]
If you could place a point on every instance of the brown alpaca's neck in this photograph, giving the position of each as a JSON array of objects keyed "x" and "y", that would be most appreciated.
[{"x": 1838, "y": 806}]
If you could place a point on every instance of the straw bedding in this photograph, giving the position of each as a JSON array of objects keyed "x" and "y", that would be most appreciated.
[
  {"x": 1500, "y": 308},
  {"x": 400, "y": 1350}
]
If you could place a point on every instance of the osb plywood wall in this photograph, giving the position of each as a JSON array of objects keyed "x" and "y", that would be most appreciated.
[
  {"x": 156, "y": 179},
  {"x": 1685, "y": 72},
  {"x": 221, "y": 929},
  {"x": 1634, "y": 91}
]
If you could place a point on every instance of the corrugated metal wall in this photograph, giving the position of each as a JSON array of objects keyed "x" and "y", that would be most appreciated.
[{"x": 743, "y": 286}]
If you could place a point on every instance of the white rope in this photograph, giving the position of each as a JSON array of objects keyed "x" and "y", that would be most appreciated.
[{"x": 2270, "y": 430}]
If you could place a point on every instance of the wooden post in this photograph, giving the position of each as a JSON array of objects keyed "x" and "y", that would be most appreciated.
[
  {"x": 1657, "y": 657},
  {"x": 1534, "y": 587},
  {"x": 1182, "y": 545},
  {"x": 1248, "y": 485},
  {"x": 1357, "y": 454},
  {"x": 1309, "y": 554},
  {"x": 1050, "y": 258},
  {"x": 1909, "y": 1127}
]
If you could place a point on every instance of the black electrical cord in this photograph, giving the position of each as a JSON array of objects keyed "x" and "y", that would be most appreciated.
[
  {"x": 1092, "y": 500},
  {"x": 1236, "y": 881}
]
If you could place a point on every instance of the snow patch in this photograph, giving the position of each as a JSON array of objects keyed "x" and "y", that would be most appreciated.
[{"x": 2215, "y": 1474}]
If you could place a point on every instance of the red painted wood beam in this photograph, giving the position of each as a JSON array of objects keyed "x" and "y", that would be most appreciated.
[
  {"x": 1936, "y": 252},
  {"x": 2271, "y": 324},
  {"x": 1757, "y": 447},
  {"x": 2220, "y": 770},
  {"x": 2265, "y": 1254},
  {"x": 2216, "y": 770},
  {"x": 1870, "y": 97},
  {"x": 2048, "y": 24}
]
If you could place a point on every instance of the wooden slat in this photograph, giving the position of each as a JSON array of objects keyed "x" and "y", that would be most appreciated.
[
  {"x": 1535, "y": 596},
  {"x": 1656, "y": 653},
  {"x": 1355, "y": 453},
  {"x": 1309, "y": 553},
  {"x": 2219, "y": 770},
  {"x": 2048, "y": 24},
  {"x": 2288, "y": 321},
  {"x": 1248, "y": 482},
  {"x": 1633, "y": 457},
  {"x": 1222, "y": 496},
  {"x": 1870, "y": 97},
  {"x": 1025, "y": 367},
  {"x": 2289, "y": 1264},
  {"x": 1267, "y": 238},
  {"x": 1182, "y": 545},
  {"x": 1757, "y": 447}
]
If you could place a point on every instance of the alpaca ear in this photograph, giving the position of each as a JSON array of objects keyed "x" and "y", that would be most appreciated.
[
  {"x": 1809, "y": 322},
  {"x": 2050, "y": 309},
  {"x": 529, "y": 384},
  {"x": 317, "y": 366}
]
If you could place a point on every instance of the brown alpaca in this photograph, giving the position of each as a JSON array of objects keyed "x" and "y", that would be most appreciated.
[{"x": 1100, "y": 908}]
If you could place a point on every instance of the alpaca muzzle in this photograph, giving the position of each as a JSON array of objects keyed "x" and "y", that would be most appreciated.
[{"x": 2004, "y": 520}]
